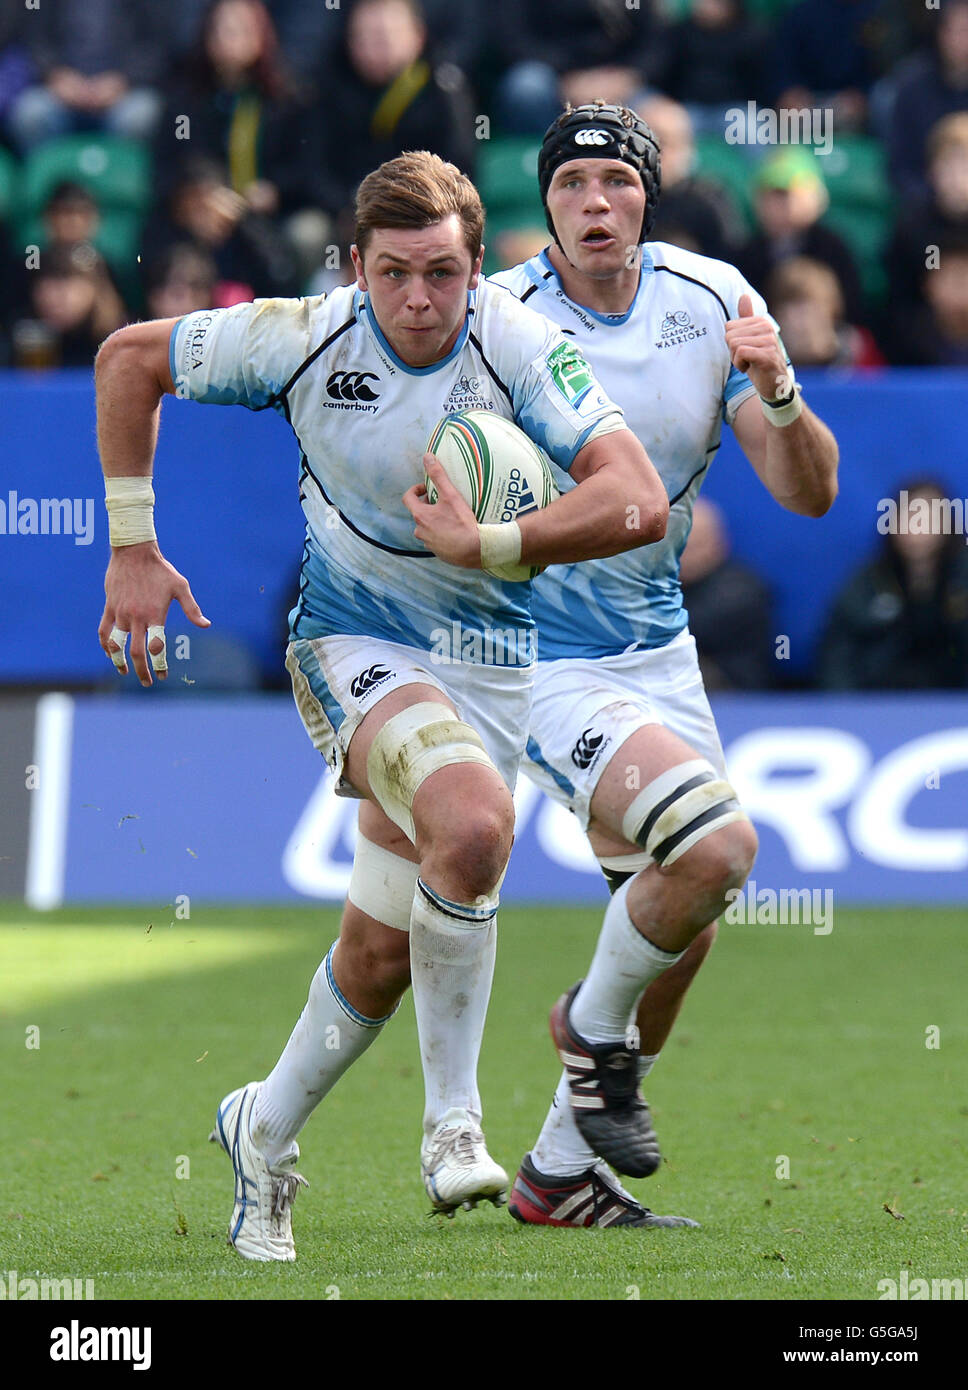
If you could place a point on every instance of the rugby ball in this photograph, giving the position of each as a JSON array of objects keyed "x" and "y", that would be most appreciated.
[{"x": 497, "y": 469}]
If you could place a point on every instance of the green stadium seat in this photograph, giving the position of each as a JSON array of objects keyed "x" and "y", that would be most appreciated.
[
  {"x": 855, "y": 171},
  {"x": 507, "y": 176},
  {"x": 117, "y": 234},
  {"x": 731, "y": 166},
  {"x": 496, "y": 225},
  {"x": 117, "y": 171},
  {"x": 118, "y": 174},
  {"x": 866, "y": 232},
  {"x": 9, "y": 179},
  {"x": 862, "y": 204},
  {"x": 768, "y": 12}
]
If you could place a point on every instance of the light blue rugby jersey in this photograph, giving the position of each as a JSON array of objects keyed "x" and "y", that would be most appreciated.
[
  {"x": 362, "y": 419},
  {"x": 666, "y": 363}
]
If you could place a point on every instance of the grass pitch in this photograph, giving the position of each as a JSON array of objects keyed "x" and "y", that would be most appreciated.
[{"x": 811, "y": 1106}]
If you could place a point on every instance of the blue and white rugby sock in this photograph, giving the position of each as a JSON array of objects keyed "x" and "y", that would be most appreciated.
[
  {"x": 327, "y": 1039},
  {"x": 452, "y": 949}
]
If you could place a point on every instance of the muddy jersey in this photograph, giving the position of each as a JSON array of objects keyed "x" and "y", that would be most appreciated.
[
  {"x": 362, "y": 418},
  {"x": 665, "y": 361}
]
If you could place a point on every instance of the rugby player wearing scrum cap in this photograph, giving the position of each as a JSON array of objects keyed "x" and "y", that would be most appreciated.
[{"x": 621, "y": 730}]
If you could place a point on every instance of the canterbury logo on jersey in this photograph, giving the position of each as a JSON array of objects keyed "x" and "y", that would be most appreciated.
[
  {"x": 587, "y": 749},
  {"x": 351, "y": 388},
  {"x": 592, "y": 137},
  {"x": 368, "y": 680}
]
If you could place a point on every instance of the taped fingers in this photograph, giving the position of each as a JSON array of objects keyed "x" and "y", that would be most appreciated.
[
  {"x": 120, "y": 639},
  {"x": 159, "y": 659}
]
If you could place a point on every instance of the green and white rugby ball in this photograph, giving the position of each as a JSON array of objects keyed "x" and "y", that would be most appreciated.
[{"x": 497, "y": 469}]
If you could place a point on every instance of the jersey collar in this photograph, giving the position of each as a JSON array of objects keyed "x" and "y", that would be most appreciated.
[
  {"x": 610, "y": 320},
  {"x": 363, "y": 311}
]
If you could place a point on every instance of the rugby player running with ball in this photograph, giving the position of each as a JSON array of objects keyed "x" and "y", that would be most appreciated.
[{"x": 363, "y": 377}]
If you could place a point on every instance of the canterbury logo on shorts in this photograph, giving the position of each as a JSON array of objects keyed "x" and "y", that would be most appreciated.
[
  {"x": 587, "y": 749},
  {"x": 368, "y": 680}
]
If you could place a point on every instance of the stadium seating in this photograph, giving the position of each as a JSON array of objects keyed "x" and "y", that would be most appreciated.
[
  {"x": 9, "y": 179},
  {"x": 766, "y": 11},
  {"x": 732, "y": 166},
  {"x": 116, "y": 171},
  {"x": 508, "y": 178},
  {"x": 861, "y": 204}
]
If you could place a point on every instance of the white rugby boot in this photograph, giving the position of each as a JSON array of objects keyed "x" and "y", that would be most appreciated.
[
  {"x": 261, "y": 1225},
  {"x": 457, "y": 1169}
]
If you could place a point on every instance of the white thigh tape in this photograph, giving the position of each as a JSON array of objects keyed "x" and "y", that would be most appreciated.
[
  {"x": 625, "y": 863},
  {"x": 382, "y": 884},
  {"x": 679, "y": 808},
  {"x": 413, "y": 744},
  {"x": 638, "y": 810}
]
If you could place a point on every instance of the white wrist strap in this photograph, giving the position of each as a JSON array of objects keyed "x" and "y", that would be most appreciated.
[
  {"x": 780, "y": 411},
  {"x": 780, "y": 415},
  {"x": 500, "y": 544},
  {"x": 130, "y": 503}
]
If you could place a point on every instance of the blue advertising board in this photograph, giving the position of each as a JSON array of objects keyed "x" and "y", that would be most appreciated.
[
  {"x": 215, "y": 799},
  {"x": 228, "y": 515}
]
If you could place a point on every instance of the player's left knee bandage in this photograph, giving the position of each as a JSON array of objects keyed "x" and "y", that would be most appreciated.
[
  {"x": 382, "y": 884},
  {"x": 679, "y": 808},
  {"x": 410, "y": 747},
  {"x": 619, "y": 868}
]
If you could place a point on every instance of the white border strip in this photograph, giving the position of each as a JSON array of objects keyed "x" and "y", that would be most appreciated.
[{"x": 53, "y": 737}]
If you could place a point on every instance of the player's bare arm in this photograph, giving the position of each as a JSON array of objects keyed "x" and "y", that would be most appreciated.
[
  {"x": 131, "y": 376},
  {"x": 796, "y": 462},
  {"x": 619, "y": 504}
]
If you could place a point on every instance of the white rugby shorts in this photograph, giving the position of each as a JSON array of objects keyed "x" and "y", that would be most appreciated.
[
  {"x": 584, "y": 710},
  {"x": 338, "y": 680}
]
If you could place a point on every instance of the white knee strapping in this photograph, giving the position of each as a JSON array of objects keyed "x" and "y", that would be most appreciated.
[
  {"x": 626, "y": 863},
  {"x": 679, "y": 808},
  {"x": 413, "y": 744},
  {"x": 382, "y": 884}
]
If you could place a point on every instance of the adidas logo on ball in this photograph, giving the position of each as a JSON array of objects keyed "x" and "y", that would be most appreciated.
[
  {"x": 497, "y": 469},
  {"x": 518, "y": 497}
]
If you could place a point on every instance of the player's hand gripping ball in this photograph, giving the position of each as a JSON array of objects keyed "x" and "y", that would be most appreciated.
[{"x": 497, "y": 469}]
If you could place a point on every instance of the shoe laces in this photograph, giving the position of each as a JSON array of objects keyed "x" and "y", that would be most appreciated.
[
  {"x": 465, "y": 1147},
  {"x": 284, "y": 1191},
  {"x": 607, "y": 1188},
  {"x": 462, "y": 1145}
]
